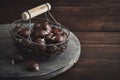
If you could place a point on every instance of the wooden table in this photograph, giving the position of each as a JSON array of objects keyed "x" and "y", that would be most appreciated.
[{"x": 95, "y": 22}]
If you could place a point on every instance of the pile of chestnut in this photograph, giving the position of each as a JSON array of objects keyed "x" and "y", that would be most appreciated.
[{"x": 43, "y": 39}]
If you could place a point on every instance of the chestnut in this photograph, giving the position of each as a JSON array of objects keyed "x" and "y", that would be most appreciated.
[
  {"x": 39, "y": 41},
  {"x": 18, "y": 58},
  {"x": 24, "y": 33},
  {"x": 57, "y": 31},
  {"x": 59, "y": 38},
  {"x": 33, "y": 65},
  {"x": 46, "y": 26},
  {"x": 48, "y": 37},
  {"x": 37, "y": 26},
  {"x": 41, "y": 45},
  {"x": 39, "y": 33}
]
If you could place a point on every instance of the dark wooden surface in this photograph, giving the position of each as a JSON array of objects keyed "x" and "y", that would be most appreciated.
[{"x": 97, "y": 25}]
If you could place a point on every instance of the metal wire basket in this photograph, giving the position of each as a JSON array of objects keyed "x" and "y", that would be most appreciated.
[{"x": 32, "y": 49}]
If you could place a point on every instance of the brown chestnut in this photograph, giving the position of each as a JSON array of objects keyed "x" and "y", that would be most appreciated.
[
  {"x": 33, "y": 65},
  {"x": 46, "y": 26},
  {"x": 59, "y": 38},
  {"x": 57, "y": 31},
  {"x": 48, "y": 37},
  {"x": 37, "y": 26},
  {"x": 39, "y": 41},
  {"x": 41, "y": 45},
  {"x": 18, "y": 58},
  {"x": 39, "y": 33},
  {"x": 24, "y": 33}
]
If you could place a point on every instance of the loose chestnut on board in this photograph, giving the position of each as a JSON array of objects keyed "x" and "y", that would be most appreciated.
[
  {"x": 18, "y": 58},
  {"x": 33, "y": 65}
]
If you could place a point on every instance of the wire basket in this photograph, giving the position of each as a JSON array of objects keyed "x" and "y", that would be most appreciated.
[{"x": 33, "y": 49}]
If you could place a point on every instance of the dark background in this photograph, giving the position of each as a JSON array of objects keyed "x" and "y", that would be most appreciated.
[{"x": 96, "y": 23}]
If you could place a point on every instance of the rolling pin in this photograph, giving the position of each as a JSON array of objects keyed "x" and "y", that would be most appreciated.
[{"x": 31, "y": 13}]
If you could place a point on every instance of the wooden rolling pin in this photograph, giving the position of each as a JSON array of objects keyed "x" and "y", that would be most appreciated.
[{"x": 36, "y": 11}]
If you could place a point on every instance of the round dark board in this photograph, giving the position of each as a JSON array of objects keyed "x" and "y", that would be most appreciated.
[{"x": 48, "y": 68}]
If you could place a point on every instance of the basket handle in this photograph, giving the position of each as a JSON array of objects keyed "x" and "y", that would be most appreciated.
[{"x": 31, "y": 13}]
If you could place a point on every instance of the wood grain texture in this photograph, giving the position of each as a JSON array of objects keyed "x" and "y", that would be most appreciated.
[
  {"x": 97, "y": 62},
  {"x": 91, "y": 71},
  {"x": 77, "y": 15},
  {"x": 98, "y": 37},
  {"x": 100, "y": 58}
]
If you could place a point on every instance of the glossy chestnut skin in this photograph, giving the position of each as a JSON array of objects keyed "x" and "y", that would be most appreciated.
[
  {"x": 59, "y": 38},
  {"x": 24, "y": 33},
  {"x": 48, "y": 37},
  {"x": 57, "y": 31},
  {"x": 39, "y": 33},
  {"x": 43, "y": 25},
  {"x": 40, "y": 41},
  {"x": 33, "y": 65},
  {"x": 46, "y": 26}
]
